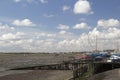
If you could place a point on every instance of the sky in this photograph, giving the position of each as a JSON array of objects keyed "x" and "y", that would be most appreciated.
[{"x": 59, "y": 25}]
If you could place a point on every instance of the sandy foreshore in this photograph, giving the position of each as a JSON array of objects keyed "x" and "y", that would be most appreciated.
[
  {"x": 36, "y": 75},
  {"x": 108, "y": 75}
]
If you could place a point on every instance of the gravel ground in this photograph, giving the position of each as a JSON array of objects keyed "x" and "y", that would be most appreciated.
[{"x": 108, "y": 75}]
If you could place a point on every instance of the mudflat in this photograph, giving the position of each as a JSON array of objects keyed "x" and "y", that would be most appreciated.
[{"x": 11, "y": 61}]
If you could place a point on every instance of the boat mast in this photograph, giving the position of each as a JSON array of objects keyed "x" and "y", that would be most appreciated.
[
  {"x": 96, "y": 43},
  {"x": 117, "y": 41}
]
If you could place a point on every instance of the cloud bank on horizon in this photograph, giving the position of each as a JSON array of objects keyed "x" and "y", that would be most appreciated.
[{"x": 59, "y": 25}]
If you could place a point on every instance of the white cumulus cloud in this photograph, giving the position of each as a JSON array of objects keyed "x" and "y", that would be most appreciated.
[
  {"x": 81, "y": 26},
  {"x": 63, "y": 27},
  {"x": 82, "y": 7},
  {"x": 63, "y": 41},
  {"x": 65, "y": 8},
  {"x": 108, "y": 23},
  {"x": 24, "y": 22},
  {"x": 43, "y": 1},
  {"x": 62, "y": 32},
  {"x": 8, "y": 36},
  {"x": 32, "y": 1},
  {"x": 17, "y": 1},
  {"x": 6, "y": 27}
]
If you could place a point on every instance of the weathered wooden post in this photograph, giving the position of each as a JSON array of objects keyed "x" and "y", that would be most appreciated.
[
  {"x": 75, "y": 72},
  {"x": 113, "y": 65},
  {"x": 92, "y": 66},
  {"x": 79, "y": 70}
]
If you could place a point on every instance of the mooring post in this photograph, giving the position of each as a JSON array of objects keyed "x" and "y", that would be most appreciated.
[
  {"x": 112, "y": 65},
  {"x": 78, "y": 69},
  {"x": 75, "y": 70}
]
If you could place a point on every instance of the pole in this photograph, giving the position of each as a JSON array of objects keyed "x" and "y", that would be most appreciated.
[{"x": 96, "y": 44}]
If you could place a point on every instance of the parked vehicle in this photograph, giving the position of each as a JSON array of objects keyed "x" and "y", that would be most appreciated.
[
  {"x": 114, "y": 58},
  {"x": 99, "y": 56}
]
